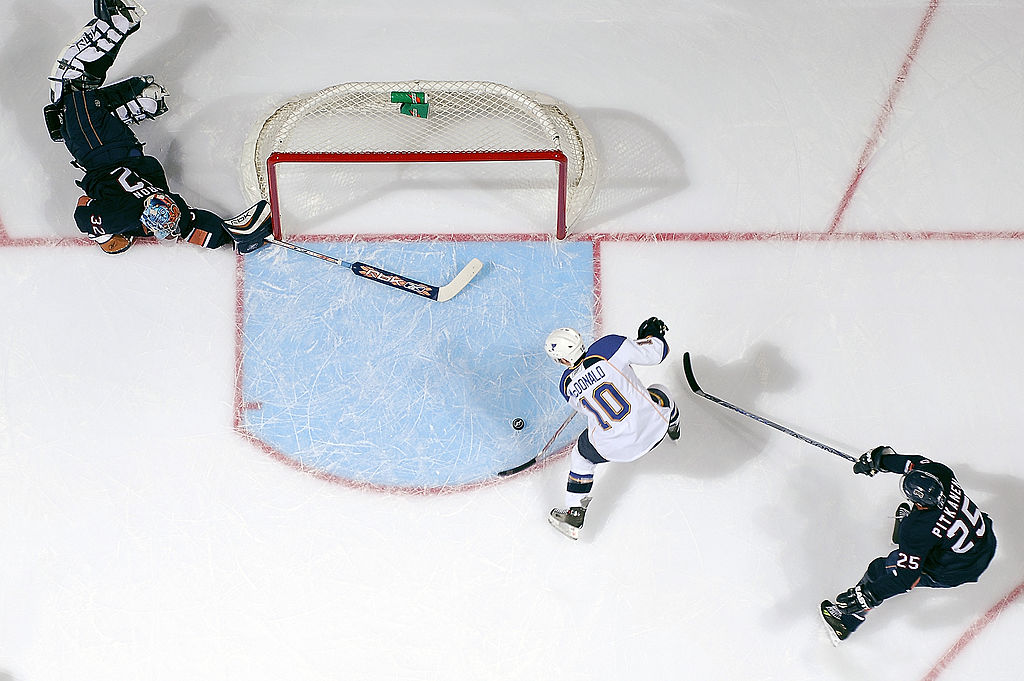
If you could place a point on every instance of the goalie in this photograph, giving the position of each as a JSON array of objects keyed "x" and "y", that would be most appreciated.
[{"x": 126, "y": 192}]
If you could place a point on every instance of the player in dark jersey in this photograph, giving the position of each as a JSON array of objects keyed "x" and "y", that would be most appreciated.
[
  {"x": 127, "y": 194},
  {"x": 943, "y": 539}
]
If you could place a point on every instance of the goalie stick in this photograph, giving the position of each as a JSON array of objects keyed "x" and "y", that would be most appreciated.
[
  {"x": 523, "y": 466},
  {"x": 692, "y": 381},
  {"x": 438, "y": 293}
]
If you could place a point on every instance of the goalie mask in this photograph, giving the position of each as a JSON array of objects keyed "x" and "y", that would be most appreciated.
[
  {"x": 161, "y": 216},
  {"x": 565, "y": 344}
]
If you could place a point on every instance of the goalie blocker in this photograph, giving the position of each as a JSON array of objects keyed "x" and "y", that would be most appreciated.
[{"x": 250, "y": 229}]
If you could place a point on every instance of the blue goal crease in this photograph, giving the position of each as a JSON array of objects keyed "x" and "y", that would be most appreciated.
[{"x": 377, "y": 386}]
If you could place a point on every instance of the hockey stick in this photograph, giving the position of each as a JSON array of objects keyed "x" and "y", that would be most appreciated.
[
  {"x": 688, "y": 370},
  {"x": 438, "y": 293},
  {"x": 523, "y": 466}
]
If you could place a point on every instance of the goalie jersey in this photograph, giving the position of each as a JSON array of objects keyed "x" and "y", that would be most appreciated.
[
  {"x": 115, "y": 196},
  {"x": 623, "y": 421}
]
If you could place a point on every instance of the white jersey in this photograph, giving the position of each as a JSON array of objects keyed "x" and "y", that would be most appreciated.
[{"x": 623, "y": 420}]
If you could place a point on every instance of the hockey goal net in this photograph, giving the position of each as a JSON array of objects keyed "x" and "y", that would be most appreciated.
[{"x": 354, "y": 127}]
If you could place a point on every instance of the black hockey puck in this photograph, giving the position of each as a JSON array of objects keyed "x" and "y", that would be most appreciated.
[{"x": 518, "y": 423}]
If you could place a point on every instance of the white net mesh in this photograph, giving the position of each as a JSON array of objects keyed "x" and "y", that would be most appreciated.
[{"x": 459, "y": 117}]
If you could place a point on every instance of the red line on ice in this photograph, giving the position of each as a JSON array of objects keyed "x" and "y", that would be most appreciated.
[
  {"x": 883, "y": 118},
  {"x": 972, "y": 632}
]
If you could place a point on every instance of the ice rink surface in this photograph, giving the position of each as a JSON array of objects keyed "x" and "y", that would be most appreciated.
[{"x": 822, "y": 200}]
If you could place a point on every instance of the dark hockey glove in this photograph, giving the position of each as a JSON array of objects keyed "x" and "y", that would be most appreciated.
[
  {"x": 870, "y": 463},
  {"x": 652, "y": 327},
  {"x": 856, "y": 600},
  {"x": 53, "y": 114},
  {"x": 251, "y": 228}
]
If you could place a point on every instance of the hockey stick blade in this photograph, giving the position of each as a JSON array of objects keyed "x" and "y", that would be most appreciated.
[
  {"x": 439, "y": 293},
  {"x": 688, "y": 370},
  {"x": 692, "y": 381},
  {"x": 518, "y": 469},
  {"x": 544, "y": 450}
]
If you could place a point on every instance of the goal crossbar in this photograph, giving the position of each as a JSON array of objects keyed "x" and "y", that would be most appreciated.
[{"x": 275, "y": 160}]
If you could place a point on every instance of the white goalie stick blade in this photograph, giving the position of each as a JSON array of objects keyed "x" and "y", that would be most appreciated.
[{"x": 448, "y": 291}]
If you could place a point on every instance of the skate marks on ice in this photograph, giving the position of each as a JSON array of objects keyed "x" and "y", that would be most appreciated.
[{"x": 377, "y": 388}]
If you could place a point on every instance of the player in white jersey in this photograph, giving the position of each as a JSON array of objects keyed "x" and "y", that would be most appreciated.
[{"x": 625, "y": 419}]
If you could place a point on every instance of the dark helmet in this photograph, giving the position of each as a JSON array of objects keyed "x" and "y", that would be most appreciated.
[{"x": 924, "y": 488}]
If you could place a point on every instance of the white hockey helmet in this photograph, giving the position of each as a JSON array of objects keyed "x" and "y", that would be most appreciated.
[{"x": 565, "y": 344}]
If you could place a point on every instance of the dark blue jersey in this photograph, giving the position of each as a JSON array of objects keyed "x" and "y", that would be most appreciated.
[
  {"x": 951, "y": 545},
  {"x": 91, "y": 130},
  {"x": 115, "y": 196}
]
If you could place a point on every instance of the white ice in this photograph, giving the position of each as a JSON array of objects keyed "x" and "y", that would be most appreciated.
[{"x": 143, "y": 539}]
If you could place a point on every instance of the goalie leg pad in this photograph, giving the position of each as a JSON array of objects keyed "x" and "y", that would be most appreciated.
[{"x": 83, "y": 64}]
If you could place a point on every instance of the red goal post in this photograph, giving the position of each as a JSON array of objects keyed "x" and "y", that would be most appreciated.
[{"x": 459, "y": 122}]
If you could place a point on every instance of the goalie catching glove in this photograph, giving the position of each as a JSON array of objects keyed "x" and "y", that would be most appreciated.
[
  {"x": 146, "y": 105},
  {"x": 652, "y": 327}
]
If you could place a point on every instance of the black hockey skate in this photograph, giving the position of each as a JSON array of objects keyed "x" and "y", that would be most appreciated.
[
  {"x": 840, "y": 624},
  {"x": 568, "y": 521}
]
